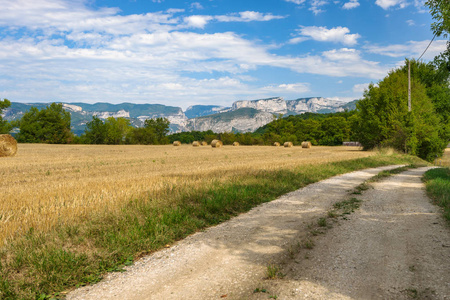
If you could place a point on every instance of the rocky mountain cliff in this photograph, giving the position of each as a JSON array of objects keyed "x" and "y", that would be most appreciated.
[
  {"x": 243, "y": 116},
  {"x": 240, "y": 120}
]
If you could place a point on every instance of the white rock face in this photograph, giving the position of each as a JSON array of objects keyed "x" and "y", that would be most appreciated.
[
  {"x": 178, "y": 118},
  {"x": 70, "y": 107},
  {"x": 241, "y": 124},
  {"x": 272, "y": 105},
  {"x": 106, "y": 114},
  {"x": 313, "y": 105}
]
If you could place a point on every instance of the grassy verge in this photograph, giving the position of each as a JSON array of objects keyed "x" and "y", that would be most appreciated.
[
  {"x": 438, "y": 187},
  {"x": 41, "y": 265}
]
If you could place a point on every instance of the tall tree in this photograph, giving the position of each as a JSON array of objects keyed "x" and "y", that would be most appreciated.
[
  {"x": 161, "y": 128},
  {"x": 117, "y": 130},
  {"x": 5, "y": 126},
  {"x": 440, "y": 12},
  {"x": 96, "y": 131},
  {"x": 48, "y": 125},
  {"x": 384, "y": 120}
]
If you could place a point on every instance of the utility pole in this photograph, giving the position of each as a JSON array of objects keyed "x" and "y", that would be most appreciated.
[{"x": 409, "y": 85}]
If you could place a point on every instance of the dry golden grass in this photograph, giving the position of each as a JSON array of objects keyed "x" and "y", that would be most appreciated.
[
  {"x": 46, "y": 185},
  {"x": 445, "y": 160}
]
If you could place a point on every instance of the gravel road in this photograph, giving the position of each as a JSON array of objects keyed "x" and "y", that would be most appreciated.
[{"x": 396, "y": 246}]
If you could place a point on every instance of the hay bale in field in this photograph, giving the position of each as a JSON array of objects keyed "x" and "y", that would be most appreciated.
[
  {"x": 288, "y": 144},
  {"x": 216, "y": 144},
  {"x": 177, "y": 143},
  {"x": 236, "y": 144},
  {"x": 306, "y": 144},
  {"x": 195, "y": 144},
  {"x": 204, "y": 143},
  {"x": 276, "y": 144},
  {"x": 8, "y": 145}
]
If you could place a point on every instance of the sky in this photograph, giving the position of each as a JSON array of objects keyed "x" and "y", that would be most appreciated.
[{"x": 205, "y": 52}]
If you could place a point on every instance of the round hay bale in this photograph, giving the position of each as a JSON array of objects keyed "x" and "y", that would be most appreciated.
[
  {"x": 306, "y": 144},
  {"x": 204, "y": 143},
  {"x": 8, "y": 145},
  {"x": 276, "y": 144},
  {"x": 288, "y": 144},
  {"x": 236, "y": 144},
  {"x": 177, "y": 143},
  {"x": 216, "y": 144},
  {"x": 195, "y": 144}
]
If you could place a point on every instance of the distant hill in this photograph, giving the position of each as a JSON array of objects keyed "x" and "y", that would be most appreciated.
[
  {"x": 239, "y": 120},
  {"x": 196, "y": 111},
  {"x": 243, "y": 116}
]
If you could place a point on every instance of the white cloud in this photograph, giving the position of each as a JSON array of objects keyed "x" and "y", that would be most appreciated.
[
  {"x": 420, "y": 5},
  {"x": 343, "y": 54},
  {"x": 298, "y": 2},
  {"x": 290, "y": 88},
  {"x": 360, "y": 88},
  {"x": 315, "y": 6},
  {"x": 197, "y": 21},
  {"x": 147, "y": 58},
  {"x": 247, "y": 16},
  {"x": 410, "y": 22},
  {"x": 412, "y": 49},
  {"x": 351, "y": 4},
  {"x": 323, "y": 34},
  {"x": 196, "y": 5},
  {"x": 386, "y": 4}
]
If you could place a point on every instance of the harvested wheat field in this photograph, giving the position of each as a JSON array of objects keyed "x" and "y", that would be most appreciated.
[
  {"x": 45, "y": 185},
  {"x": 445, "y": 160}
]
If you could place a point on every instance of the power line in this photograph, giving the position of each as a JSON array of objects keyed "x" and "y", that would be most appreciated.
[{"x": 428, "y": 46}]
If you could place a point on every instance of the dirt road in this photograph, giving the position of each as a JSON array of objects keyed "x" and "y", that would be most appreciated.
[{"x": 396, "y": 246}]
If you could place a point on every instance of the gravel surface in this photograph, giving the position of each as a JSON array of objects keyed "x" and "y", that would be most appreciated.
[{"x": 395, "y": 246}]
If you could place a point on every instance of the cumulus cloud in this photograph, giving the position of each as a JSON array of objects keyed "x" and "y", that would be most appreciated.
[
  {"x": 409, "y": 49},
  {"x": 247, "y": 16},
  {"x": 75, "y": 53},
  {"x": 298, "y": 2},
  {"x": 360, "y": 88},
  {"x": 322, "y": 34},
  {"x": 386, "y": 4},
  {"x": 316, "y": 6},
  {"x": 288, "y": 88},
  {"x": 351, "y": 4},
  {"x": 343, "y": 54},
  {"x": 197, "y": 21},
  {"x": 196, "y": 5}
]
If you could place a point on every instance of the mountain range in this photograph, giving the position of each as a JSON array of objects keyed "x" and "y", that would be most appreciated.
[{"x": 242, "y": 116}]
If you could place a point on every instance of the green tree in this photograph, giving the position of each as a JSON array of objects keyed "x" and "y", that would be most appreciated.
[
  {"x": 160, "y": 127},
  {"x": 155, "y": 132},
  {"x": 96, "y": 131},
  {"x": 384, "y": 120},
  {"x": 308, "y": 130},
  {"x": 48, "y": 125},
  {"x": 5, "y": 126},
  {"x": 440, "y": 11},
  {"x": 334, "y": 131},
  {"x": 117, "y": 130}
]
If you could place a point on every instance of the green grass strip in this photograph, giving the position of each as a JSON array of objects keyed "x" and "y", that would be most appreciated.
[
  {"x": 438, "y": 187},
  {"x": 42, "y": 265}
]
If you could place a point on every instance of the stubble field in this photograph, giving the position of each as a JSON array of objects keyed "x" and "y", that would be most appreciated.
[{"x": 46, "y": 185}]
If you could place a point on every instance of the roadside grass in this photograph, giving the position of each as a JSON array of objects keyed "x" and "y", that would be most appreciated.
[
  {"x": 44, "y": 265},
  {"x": 437, "y": 182}
]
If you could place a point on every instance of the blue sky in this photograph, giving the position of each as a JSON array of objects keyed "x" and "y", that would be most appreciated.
[{"x": 182, "y": 53}]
